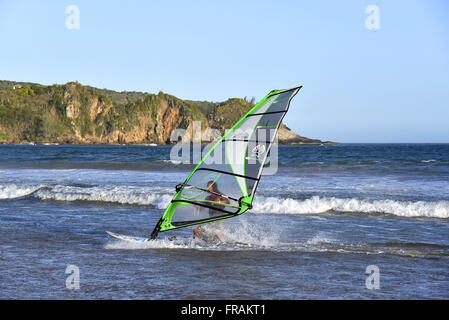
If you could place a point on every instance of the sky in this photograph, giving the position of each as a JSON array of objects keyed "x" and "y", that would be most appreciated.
[{"x": 369, "y": 75}]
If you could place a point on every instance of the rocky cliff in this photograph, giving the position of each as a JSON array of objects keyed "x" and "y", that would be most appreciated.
[{"x": 77, "y": 114}]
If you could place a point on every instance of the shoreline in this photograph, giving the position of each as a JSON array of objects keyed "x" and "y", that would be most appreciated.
[{"x": 46, "y": 144}]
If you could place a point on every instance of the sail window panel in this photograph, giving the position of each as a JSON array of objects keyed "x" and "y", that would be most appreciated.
[
  {"x": 229, "y": 157},
  {"x": 281, "y": 101},
  {"x": 269, "y": 121},
  {"x": 205, "y": 186},
  {"x": 188, "y": 213}
]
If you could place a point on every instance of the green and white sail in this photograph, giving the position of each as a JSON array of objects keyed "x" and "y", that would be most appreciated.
[{"x": 233, "y": 165}]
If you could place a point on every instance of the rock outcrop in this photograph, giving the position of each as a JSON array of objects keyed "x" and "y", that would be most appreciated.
[{"x": 77, "y": 114}]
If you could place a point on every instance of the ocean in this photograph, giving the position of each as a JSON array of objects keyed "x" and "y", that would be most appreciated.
[{"x": 348, "y": 221}]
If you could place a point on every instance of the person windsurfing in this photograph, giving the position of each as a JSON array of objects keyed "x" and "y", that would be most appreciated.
[{"x": 215, "y": 199}]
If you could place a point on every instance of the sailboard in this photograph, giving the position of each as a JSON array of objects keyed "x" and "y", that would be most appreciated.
[
  {"x": 127, "y": 238},
  {"x": 224, "y": 182}
]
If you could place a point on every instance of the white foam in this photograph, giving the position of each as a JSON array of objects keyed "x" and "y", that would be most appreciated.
[
  {"x": 115, "y": 194},
  {"x": 317, "y": 204},
  {"x": 13, "y": 191},
  {"x": 260, "y": 235},
  {"x": 176, "y": 162},
  {"x": 241, "y": 236},
  {"x": 160, "y": 197},
  {"x": 154, "y": 244},
  {"x": 319, "y": 239}
]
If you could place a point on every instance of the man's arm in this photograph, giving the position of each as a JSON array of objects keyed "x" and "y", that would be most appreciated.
[{"x": 224, "y": 200}]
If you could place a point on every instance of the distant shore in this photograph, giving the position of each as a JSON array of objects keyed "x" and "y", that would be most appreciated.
[
  {"x": 72, "y": 113},
  {"x": 144, "y": 144}
]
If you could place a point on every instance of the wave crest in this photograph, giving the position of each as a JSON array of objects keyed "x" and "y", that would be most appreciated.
[
  {"x": 318, "y": 204},
  {"x": 120, "y": 195},
  {"x": 13, "y": 191},
  {"x": 115, "y": 194},
  {"x": 160, "y": 198}
]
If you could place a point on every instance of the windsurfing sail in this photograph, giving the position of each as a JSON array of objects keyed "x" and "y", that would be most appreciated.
[{"x": 224, "y": 182}]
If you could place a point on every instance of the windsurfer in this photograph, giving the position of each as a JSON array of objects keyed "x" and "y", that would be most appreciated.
[{"x": 215, "y": 199}]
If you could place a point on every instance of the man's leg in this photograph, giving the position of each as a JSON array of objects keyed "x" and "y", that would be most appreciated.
[{"x": 197, "y": 231}]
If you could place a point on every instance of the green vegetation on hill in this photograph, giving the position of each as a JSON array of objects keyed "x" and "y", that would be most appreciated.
[{"x": 73, "y": 113}]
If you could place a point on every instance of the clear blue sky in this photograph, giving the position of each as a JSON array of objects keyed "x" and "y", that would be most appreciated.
[{"x": 360, "y": 85}]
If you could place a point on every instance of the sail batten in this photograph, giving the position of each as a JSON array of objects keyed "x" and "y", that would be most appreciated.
[{"x": 224, "y": 182}]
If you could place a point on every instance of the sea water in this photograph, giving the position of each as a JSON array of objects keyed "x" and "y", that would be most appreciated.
[{"x": 319, "y": 227}]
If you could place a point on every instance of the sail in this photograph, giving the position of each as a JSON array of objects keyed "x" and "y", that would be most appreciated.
[{"x": 224, "y": 182}]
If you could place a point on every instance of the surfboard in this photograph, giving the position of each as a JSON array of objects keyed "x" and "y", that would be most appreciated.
[
  {"x": 132, "y": 238},
  {"x": 127, "y": 238}
]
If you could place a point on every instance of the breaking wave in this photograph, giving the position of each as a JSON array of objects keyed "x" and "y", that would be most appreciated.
[
  {"x": 115, "y": 194},
  {"x": 318, "y": 204},
  {"x": 160, "y": 197},
  {"x": 13, "y": 191},
  {"x": 119, "y": 195}
]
